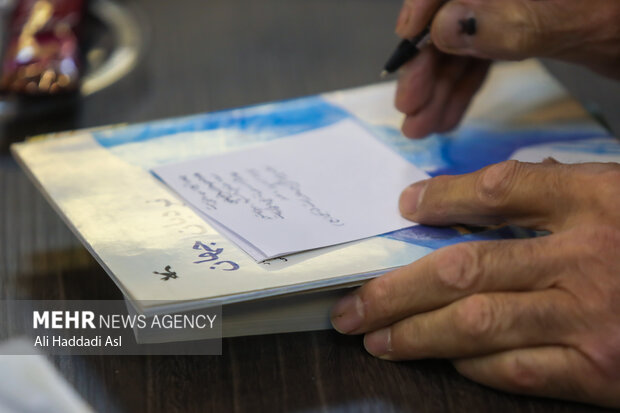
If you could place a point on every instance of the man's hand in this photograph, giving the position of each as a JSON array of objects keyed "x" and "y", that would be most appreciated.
[
  {"x": 435, "y": 88},
  {"x": 537, "y": 316}
]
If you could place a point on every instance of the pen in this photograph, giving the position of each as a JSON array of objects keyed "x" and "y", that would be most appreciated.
[{"x": 405, "y": 51}]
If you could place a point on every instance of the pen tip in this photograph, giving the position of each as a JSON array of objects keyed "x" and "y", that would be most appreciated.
[{"x": 384, "y": 74}]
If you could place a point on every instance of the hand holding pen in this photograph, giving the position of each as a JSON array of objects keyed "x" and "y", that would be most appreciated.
[
  {"x": 440, "y": 72},
  {"x": 534, "y": 316}
]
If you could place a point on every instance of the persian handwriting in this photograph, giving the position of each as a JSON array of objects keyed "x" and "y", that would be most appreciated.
[
  {"x": 255, "y": 173},
  {"x": 263, "y": 190},
  {"x": 268, "y": 262},
  {"x": 212, "y": 253},
  {"x": 209, "y": 203},
  {"x": 165, "y": 202},
  {"x": 223, "y": 190},
  {"x": 174, "y": 215},
  {"x": 262, "y": 207},
  {"x": 233, "y": 266},
  {"x": 280, "y": 183},
  {"x": 167, "y": 274}
]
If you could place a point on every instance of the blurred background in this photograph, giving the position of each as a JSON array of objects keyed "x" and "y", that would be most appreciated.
[{"x": 194, "y": 56}]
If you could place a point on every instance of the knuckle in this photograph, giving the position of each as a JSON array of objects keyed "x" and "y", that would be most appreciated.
[
  {"x": 495, "y": 183},
  {"x": 458, "y": 267},
  {"x": 523, "y": 374},
  {"x": 475, "y": 316}
]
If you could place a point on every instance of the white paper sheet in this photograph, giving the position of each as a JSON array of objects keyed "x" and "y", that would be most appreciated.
[{"x": 323, "y": 187}]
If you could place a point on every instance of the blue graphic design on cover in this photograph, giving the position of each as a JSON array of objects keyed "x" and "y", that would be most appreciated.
[
  {"x": 262, "y": 122},
  {"x": 466, "y": 150}
]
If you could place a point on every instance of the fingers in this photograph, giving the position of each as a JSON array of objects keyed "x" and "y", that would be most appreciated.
[
  {"x": 557, "y": 372},
  {"x": 427, "y": 117},
  {"x": 517, "y": 29},
  {"x": 416, "y": 81},
  {"x": 478, "y": 324},
  {"x": 462, "y": 95},
  {"x": 549, "y": 195},
  {"x": 447, "y": 275},
  {"x": 414, "y": 16},
  {"x": 506, "y": 30},
  {"x": 434, "y": 91},
  {"x": 531, "y": 195}
]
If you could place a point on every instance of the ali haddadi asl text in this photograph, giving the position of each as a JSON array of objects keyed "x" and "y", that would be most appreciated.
[{"x": 75, "y": 341}]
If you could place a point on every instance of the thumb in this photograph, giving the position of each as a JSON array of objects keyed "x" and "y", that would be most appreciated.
[{"x": 507, "y": 29}]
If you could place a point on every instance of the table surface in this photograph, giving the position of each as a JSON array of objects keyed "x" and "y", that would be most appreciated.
[{"x": 205, "y": 56}]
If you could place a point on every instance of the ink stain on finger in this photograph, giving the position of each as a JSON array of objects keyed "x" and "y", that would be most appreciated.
[{"x": 469, "y": 26}]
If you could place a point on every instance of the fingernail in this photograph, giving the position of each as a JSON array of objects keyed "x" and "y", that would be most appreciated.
[
  {"x": 456, "y": 24},
  {"x": 379, "y": 343},
  {"x": 411, "y": 197},
  {"x": 348, "y": 314},
  {"x": 403, "y": 19}
]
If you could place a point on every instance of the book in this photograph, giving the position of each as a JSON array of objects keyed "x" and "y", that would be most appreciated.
[{"x": 154, "y": 246}]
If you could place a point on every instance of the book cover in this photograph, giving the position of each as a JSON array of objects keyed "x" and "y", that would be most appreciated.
[{"x": 164, "y": 257}]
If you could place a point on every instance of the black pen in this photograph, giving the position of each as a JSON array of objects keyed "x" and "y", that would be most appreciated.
[{"x": 406, "y": 50}]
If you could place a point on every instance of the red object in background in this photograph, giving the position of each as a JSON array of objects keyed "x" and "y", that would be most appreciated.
[{"x": 42, "y": 56}]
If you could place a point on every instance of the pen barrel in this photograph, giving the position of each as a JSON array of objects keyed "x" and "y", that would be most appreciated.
[{"x": 405, "y": 51}]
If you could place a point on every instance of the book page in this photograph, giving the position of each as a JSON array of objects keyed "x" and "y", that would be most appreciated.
[{"x": 324, "y": 187}]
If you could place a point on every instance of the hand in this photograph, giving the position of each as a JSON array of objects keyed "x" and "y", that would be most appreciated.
[
  {"x": 435, "y": 88},
  {"x": 537, "y": 316}
]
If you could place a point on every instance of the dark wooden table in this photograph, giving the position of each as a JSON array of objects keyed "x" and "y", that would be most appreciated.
[{"x": 205, "y": 55}]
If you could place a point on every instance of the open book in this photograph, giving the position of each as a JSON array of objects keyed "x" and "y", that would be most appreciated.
[{"x": 153, "y": 245}]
